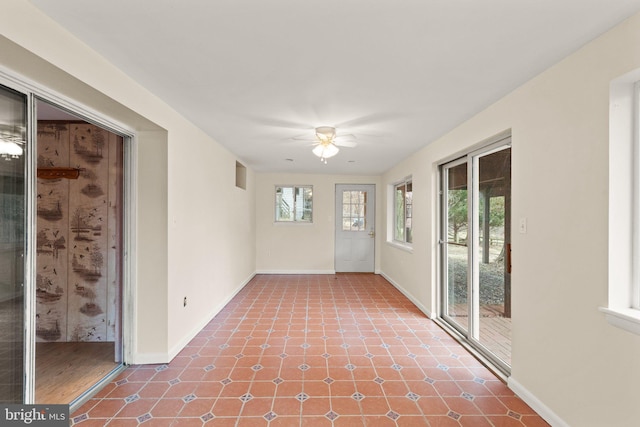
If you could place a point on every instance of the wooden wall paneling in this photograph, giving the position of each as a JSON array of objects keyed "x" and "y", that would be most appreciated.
[
  {"x": 52, "y": 240},
  {"x": 114, "y": 222},
  {"x": 87, "y": 319}
]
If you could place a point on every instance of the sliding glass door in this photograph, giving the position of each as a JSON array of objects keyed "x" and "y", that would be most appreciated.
[
  {"x": 475, "y": 248},
  {"x": 13, "y": 136}
]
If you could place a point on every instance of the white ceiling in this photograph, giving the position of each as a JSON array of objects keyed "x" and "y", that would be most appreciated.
[{"x": 253, "y": 74}]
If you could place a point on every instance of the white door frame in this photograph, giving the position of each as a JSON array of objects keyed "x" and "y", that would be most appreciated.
[{"x": 35, "y": 91}]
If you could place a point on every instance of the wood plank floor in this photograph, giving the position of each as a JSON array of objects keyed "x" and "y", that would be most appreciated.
[{"x": 65, "y": 370}]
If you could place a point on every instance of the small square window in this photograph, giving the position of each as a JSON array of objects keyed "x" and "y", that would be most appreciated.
[{"x": 294, "y": 203}]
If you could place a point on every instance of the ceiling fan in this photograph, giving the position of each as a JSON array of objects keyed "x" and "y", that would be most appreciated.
[{"x": 327, "y": 142}]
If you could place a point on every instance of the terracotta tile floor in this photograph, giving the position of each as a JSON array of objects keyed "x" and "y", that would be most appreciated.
[{"x": 345, "y": 350}]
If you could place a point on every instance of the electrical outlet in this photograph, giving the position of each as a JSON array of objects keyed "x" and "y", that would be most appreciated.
[{"x": 184, "y": 303}]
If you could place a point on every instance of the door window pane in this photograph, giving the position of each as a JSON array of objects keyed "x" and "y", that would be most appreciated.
[{"x": 354, "y": 208}]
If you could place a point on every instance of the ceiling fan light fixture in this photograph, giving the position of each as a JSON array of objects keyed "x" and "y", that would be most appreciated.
[{"x": 325, "y": 151}]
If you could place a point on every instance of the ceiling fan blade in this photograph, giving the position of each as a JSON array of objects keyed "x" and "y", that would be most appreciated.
[{"x": 349, "y": 144}]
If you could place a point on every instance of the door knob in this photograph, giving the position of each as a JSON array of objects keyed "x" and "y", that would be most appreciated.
[{"x": 372, "y": 233}]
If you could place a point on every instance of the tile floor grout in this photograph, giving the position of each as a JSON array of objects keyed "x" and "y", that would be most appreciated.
[{"x": 318, "y": 350}]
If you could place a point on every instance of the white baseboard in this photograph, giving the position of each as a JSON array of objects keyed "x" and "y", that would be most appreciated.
[
  {"x": 408, "y": 295},
  {"x": 296, "y": 272},
  {"x": 530, "y": 399},
  {"x": 150, "y": 358}
]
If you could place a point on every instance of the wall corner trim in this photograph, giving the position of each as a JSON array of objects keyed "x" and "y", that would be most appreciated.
[{"x": 536, "y": 404}]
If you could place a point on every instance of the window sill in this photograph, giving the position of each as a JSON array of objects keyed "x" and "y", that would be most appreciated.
[
  {"x": 402, "y": 246},
  {"x": 625, "y": 318}
]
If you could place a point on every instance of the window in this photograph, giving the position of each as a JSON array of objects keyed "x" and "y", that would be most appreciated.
[
  {"x": 294, "y": 203},
  {"x": 623, "y": 306},
  {"x": 402, "y": 211}
]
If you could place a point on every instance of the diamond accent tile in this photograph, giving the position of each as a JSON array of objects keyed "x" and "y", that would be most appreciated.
[
  {"x": 326, "y": 355},
  {"x": 239, "y": 356},
  {"x": 161, "y": 368},
  {"x": 328, "y": 380},
  {"x": 270, "y": 416},
  {"x": 223, "y": 346},
  {"x": 453, "y": 415},
  {"x": 357, "y": 396},
  {"x": 287, "y": 337},
  {"x": 369, "y": 356},
  {"x": 248, "y": 337},
  {"x": 189, "y": 398},
  {"x": 303, "y": 367},
  {"x": 425, "y": 346},
  {"x": 246, "y": 397},
  {"x": 393, "y": 415},
  {"x": 302, "y": 397},
  {"x": 443, "y": 367},
  {"x": 468, "y": 396},
  {"x": 378, "y": 380},
  {"x": 350, "y": 367},
  {"x": 383, "y": 345},
  {"x": 174, "y": 381},
  {"x": 429, "y": 380},
  {"x": 411, "y": 356},
  {"x": 257, "y": 367},
  {"x": 331, "y": 415},
  {"x": 195, "y": 356},
  {"x": 278, "y": 380},
  {"x": 123, "y": 381},
  {"x": 132, "y": 398},
  {"x": 209, "y": 368},
  {"x": 514, "y": 415},
  {"x": 454, "y": 356},
  {"x": 412, "y": 396},
  {"x": 283, "y": 355},
  {"x": 265, "y": 346},
  {"x": 207, "y": 417},
  {"x": 396, "y": 367},
  {"x": 399, "y": 338},
  {"x": 324, "y": 337},
  {"x": 226, "y": 381},
  {"x": 345, "y": 345},
  {"x": 143, "y": 418},
  {"x": 479, "y": 380},
  {"x": 82, "y": 417}
]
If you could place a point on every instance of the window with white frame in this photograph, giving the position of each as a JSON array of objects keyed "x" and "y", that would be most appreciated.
[
  {"x": 623, "y": 306},
  {"x": 403, "y": 211},
  {"x": 294, "y": 203}
]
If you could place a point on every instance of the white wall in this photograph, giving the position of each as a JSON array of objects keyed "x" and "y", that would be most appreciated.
[
  {"x": 191, "y": 240},
  {"x": 303, "y": 248},
  {"x": 567, "y": 360}
]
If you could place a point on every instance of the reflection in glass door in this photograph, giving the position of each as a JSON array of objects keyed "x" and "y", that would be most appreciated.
[
  {"x": 13, "y": 131},
  {"x": 475, "y": 245}
]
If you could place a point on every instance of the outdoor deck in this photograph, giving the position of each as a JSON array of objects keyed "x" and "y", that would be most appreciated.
[{"x": 495, "y": 329}]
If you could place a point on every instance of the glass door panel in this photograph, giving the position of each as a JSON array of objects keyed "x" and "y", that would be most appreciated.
[
  {"x": 456, "y": 306},
  {"x": 13, "y": 125},
  {"x": 492, "y": 308}
]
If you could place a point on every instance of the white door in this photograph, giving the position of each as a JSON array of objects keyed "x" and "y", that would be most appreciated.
[{"x": 355, "y": 228}]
